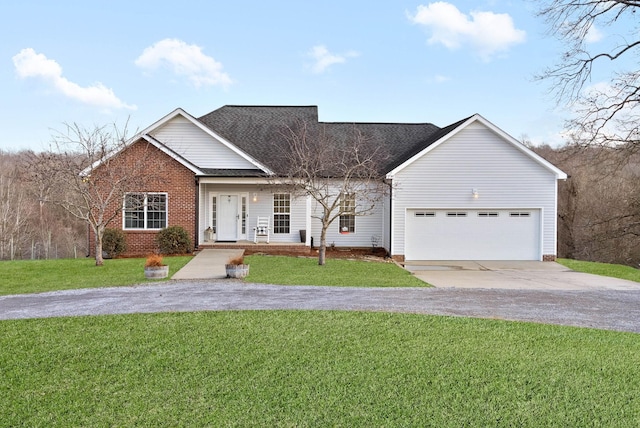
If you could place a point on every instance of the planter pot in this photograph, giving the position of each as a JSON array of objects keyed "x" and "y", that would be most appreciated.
[
  {"x": 237, "y": 271},
  {"x": 303, "y": 235},
  {"x": 156, "y": 272}
]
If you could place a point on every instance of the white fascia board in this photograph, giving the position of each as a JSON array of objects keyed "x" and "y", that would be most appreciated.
[
  {"x": 151, "y": 141},
  {"x": 392, "y": 173},
  {"x": 164, "y": 149},
  {"x": 560, "y": 175},
  {"x": 211, "y": 133}
]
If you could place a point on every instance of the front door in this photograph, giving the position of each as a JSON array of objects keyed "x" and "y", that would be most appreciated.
[{"x": 228, "y": 218}]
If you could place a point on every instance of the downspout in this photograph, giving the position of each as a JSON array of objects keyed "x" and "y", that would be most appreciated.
[
  {"x": 390, "y": 183},
  {"x": 197, "y": 216}
]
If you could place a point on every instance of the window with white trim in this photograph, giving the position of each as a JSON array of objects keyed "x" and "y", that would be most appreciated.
[
  {"x": 348, "y": 210},
  {"x": 281, "y": 213},
  {"x": 145, "y": 211}
]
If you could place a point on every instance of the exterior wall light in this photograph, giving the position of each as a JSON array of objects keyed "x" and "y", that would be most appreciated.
[
  {"x": 474, "y": 193},
  {"x": 255, "y": 197}
]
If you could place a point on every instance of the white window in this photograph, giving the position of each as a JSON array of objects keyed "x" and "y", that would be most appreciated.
[
  {"x": 347, "y": 213},
  {"x": 281, "y": 213},
  {"x": 424, "y": 214},
  {"x": 456, "y": 214},
  {"x": 145, "y": 211},
  {"x": 520, "y": 214},
  {"x": 487, "y": 214}
]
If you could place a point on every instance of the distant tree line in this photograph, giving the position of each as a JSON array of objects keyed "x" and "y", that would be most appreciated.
[
  {"x": 31, "y": 228},
  {"x": 599, "y": 204}
]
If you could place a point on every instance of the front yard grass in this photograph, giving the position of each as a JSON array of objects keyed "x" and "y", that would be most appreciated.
[
  {"x": 35, "y": 276},
  {"x": 336, "y": 272},
  {"x": 312, "y": 368},
  {"x": 604, "y": 269}
]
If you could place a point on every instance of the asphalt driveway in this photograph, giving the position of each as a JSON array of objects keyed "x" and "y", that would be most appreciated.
[
  {"x": 518, "y": 275},
  {"x": 598, "y": 308}
]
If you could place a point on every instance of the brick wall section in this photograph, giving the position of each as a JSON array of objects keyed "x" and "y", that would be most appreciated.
[{"x": 169, "y": 177}]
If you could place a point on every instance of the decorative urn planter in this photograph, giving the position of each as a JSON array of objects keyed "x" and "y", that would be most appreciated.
[
  {"x": 236, "y": 268},
  {"x": 156, "y": 272},
  {"x": 154, "y": 268},
  {"x": 237, "y": 271}
]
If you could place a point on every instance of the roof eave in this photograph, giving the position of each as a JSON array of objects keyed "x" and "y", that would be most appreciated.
[{"x": 560, "y": 175}]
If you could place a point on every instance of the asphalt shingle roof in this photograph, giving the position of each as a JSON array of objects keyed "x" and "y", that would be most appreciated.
[{"x": 258, "y": 131}]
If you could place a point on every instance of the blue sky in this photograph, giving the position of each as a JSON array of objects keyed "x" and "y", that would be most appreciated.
[{"x": 99, "y": 62}]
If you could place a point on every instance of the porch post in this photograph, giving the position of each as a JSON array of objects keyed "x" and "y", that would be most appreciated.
[
  {"x": 196, "y": 232},
  {"x": 307, "y": 241}
]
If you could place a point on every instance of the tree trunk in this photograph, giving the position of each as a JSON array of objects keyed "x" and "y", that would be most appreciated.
[
  {"x": 99, "y": 231},
  {"x": 322, "y": 253}
]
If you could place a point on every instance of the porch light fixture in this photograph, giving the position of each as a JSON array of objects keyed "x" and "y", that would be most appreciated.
[
  {"x": 474, "y": 193},
  {"x": 255, "y": 197}
]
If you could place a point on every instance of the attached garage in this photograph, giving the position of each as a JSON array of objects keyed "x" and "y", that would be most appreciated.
[{"x": 473, "y": 234}]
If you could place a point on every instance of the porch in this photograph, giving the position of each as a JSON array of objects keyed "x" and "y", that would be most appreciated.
[{"x": 273, "y": 248}]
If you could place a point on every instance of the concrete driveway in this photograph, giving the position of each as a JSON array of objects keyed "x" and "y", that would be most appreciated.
[{"x": 519, "y": 275}]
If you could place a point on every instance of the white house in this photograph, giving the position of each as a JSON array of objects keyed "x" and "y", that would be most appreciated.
[{"x": 467, "y": 191}]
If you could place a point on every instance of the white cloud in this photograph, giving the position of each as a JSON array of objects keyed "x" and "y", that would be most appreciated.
[
  {"x": 30, "y": 64},
  {"x": 184, "y": 60},
  {"x": 438, "y": 78},
  {"x": 323, "y": 59},
  {"x": 487, "y": 33},
  {"x": 594, "y": 35}
]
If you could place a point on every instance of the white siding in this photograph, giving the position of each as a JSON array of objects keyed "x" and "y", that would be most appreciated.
[
  {"x": 367, "y": 226},
  {"x": 262, "y": 207},
  {"x": 197, "y": 146},
  {"x": 475, "y": 158}
]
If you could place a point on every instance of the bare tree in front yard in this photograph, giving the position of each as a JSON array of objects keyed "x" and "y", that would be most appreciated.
[
  {"x": 85, "y": 174},
  {"x": 341, "y": 172}
]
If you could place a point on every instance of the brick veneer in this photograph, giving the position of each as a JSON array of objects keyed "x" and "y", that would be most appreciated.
[{"x": 168, "y": 176}]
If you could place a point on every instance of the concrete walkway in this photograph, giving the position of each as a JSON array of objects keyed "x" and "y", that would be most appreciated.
[{"x": 207, "y": 264}]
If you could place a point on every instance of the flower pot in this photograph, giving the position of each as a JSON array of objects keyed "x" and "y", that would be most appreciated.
[
  {"x": 237, "y": 271},
  {"x": 156, "y": 272}
]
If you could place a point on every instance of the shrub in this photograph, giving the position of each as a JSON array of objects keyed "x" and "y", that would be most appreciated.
[
  {"x": 154, "y": 260},
  {"x": 173, "y": 240},
  {"x": 114, "y": 242}
]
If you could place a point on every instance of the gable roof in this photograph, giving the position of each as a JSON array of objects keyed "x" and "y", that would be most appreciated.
[
  {"x": 211, "y": 132},
  {"x": 258, "y": 131},
  {"x": 448, "y": 132}
]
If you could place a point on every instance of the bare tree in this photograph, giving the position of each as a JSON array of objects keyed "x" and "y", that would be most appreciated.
[
  {"x": 340, "y": 172},
  {"x": 95, "y": 178},
  {"x": 606, "y": 113},
  {"x": 15, "y": 211}
]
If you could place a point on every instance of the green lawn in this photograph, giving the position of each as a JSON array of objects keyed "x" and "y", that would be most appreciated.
[
  {"x": 306, "y": 271},
  {"x": 297, "y": 368},
  {"x": 604, "y": 269},
  {"x": 35, "y": 276}
]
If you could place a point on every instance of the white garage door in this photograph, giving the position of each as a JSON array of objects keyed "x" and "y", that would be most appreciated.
[{"x": 472, "y": 234}]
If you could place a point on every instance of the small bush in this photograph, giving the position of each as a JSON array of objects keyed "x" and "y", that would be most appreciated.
[
  {"x": 173, "y": 240},
  {"x": 154, "y": 260},
  {"x": 114, "y": 242}
]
